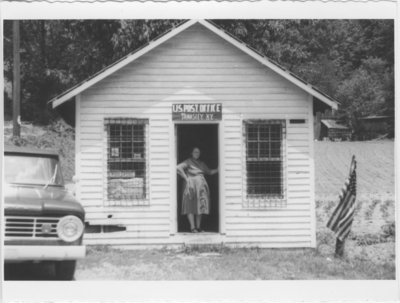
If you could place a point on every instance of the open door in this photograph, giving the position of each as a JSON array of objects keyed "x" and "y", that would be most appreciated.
[{"x": 205, "y": 137}]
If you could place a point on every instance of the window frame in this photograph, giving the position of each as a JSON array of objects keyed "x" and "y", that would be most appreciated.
[
  {"x": 146, "y": 187},
  {"x": 265, "y": 202}
]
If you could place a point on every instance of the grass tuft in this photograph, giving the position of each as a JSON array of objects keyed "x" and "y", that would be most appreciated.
[{"x": 93, "y": 249}]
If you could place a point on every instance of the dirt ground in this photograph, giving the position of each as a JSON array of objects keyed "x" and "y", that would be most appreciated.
[{"x": 221, "y": 263}]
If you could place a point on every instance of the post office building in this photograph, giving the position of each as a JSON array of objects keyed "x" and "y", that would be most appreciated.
[{"x": 196, "y": 86}]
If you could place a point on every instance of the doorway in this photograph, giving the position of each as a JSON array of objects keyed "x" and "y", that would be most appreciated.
[{"x": 205, "y": 137}]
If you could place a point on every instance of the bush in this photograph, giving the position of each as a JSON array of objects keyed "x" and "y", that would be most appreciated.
[
  {"x": 389, "y": 230},
  {"x": 388, "y": 234},
  {"x": 367, "y": 239}
]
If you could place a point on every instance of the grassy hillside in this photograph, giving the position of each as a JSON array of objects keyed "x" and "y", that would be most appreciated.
[{"x": 375, "y": 168}]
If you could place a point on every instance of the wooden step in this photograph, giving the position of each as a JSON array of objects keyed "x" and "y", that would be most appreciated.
[{"x": 198, "y": 238}]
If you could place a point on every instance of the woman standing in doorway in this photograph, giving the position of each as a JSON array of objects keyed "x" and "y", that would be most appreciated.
[{"x": 196, "y": 194}]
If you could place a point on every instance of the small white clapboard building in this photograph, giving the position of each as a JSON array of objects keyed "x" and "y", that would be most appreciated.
[{"x": 196, "y": 86}]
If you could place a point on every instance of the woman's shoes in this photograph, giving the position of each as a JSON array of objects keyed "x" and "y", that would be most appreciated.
[{"x": 196, "y": 230}]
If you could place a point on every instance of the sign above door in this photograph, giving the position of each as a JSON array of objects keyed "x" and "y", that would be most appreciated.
[{"x": 197, "y": 112}]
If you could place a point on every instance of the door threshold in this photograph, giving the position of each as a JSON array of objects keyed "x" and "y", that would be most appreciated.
[
  {"x": 195, "y": 234},
  {"x": 199, "y": 238}
]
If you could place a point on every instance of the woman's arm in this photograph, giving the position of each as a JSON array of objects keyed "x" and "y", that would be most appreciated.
[
  {"x": 181, "y": 171},
  {"x": 214, "y": 171}
]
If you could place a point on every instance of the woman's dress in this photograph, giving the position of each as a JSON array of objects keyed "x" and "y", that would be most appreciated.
[{"x": 196, "y": 200}]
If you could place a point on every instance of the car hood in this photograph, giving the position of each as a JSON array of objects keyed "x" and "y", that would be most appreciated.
[{"x": 23, "y": 200}]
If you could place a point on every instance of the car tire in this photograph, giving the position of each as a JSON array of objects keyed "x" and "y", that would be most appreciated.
[{"x": 65, "y": 270}]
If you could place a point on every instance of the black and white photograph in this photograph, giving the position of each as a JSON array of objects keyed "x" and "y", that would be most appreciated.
[{"x": 221, "y": 149}]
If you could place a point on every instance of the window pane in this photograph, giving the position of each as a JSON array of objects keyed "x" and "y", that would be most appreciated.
[
  {"x": 264, "y": 150},
  {"x": 30, "y": 169},
  {"x": 252, "y": 150},
  {"x": 276, "y": 149},
  {"x": 264, "y": 132},
  {"x": 252, "y": 132},
  {"x": 264, "y": 178},
  {"x": 276, "y": 133}
]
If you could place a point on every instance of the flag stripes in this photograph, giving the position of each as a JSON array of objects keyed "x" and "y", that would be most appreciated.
[{"x": 342, "y": 218}]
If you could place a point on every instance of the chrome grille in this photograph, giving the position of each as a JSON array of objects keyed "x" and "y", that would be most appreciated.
[{"x": 30, "y": 227}]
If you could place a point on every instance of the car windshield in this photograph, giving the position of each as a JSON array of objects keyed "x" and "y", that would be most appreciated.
[{"x": 29, "y": 169}]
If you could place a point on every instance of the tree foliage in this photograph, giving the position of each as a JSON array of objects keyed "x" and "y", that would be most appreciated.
[
  {"x": 58, "y": 54},
  {"x": 351, "y": 60},
  {"x": 363, "y": 92}
]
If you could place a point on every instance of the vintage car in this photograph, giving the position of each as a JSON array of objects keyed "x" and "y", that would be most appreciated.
[{"x": 43, "y": 221}]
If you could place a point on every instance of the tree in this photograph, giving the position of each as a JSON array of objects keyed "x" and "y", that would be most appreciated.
[
  {"x": 58, "y": 54},
  {"x": 364, "y": 93}
]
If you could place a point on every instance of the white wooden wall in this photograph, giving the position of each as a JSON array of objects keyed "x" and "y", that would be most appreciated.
[{"x": 198, "y": 66}]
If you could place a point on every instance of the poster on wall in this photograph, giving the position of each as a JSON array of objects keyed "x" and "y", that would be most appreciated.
[{"x": 197, "y": 112}]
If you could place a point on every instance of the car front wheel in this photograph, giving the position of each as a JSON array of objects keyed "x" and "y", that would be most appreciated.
[{"x": 65, "y": 270}]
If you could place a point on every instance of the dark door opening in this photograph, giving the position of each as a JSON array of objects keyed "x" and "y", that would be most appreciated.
[{"x": 205, "y": 137}]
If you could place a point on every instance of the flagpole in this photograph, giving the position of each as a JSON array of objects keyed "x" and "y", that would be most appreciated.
[{"x": 339, "y": 250}]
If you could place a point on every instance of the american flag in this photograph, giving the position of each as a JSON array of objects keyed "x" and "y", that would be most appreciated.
[{"x": 342, "y": 217}]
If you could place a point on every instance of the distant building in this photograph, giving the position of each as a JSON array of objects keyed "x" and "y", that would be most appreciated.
[
  {"x": 373, "y": 126},
  {"x": 334, "y": 131}
]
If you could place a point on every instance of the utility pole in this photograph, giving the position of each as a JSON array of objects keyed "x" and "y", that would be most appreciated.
[{"x": 16, "y": 82}]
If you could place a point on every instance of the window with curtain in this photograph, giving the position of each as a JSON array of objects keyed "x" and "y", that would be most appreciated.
[{"x": 127, "y": 160}]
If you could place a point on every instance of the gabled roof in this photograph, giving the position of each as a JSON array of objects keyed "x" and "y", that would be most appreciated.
[
  {"x": 173, "y": 32},
  {"x": 333, "y": 124}
]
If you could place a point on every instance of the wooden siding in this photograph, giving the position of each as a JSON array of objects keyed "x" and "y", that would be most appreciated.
[{"x": 197, "y": 66}]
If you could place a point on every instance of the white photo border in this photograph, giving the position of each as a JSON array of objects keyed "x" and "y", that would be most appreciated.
[{"x": 204, "y": 291}]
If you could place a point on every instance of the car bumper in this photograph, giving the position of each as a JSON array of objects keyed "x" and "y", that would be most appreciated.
[{"x": 16, "y": 253}]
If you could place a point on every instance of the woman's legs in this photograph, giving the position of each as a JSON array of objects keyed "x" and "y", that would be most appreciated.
[
  {"x": 198, "y": 221},
  {"x": 191, "y": 221}
]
